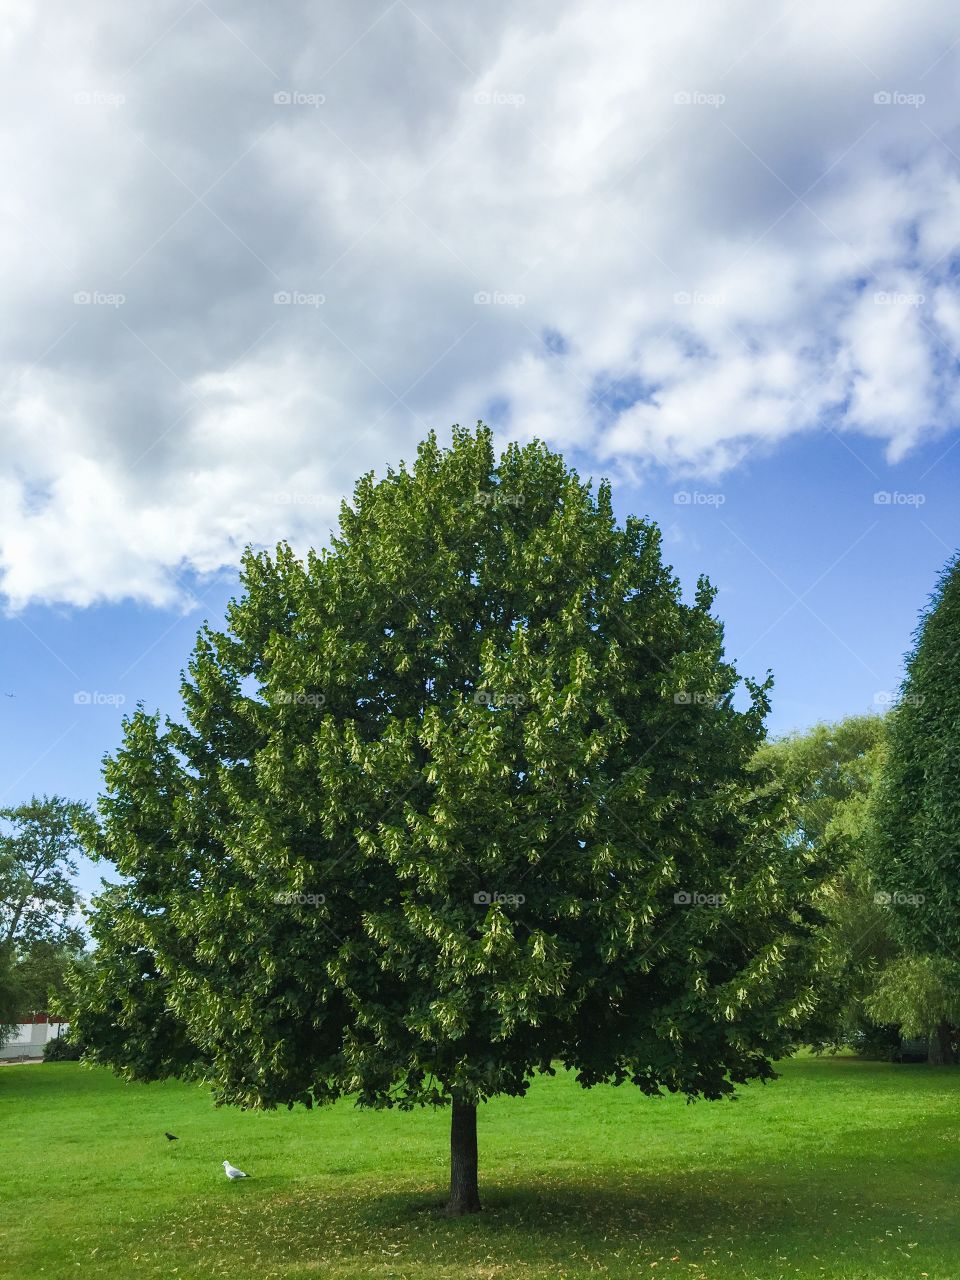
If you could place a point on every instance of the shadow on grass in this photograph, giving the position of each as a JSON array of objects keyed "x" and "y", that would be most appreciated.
[
  {"x": 718, "y": 1221},
  {"x": 557, "y": 1208},
  {"x": 550, "y": 1207}
]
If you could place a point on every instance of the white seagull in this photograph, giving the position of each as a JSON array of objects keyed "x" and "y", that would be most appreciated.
[{"x": 233, "y": 1173}]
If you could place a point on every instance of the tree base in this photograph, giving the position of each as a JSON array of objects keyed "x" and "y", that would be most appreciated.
[{"x": 457, "y": 1208}]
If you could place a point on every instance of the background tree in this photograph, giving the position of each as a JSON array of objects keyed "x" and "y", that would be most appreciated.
[
  {"x": 828, "y": 773},
  {"x": 915, "y": 850},
  {"x": 461, "y": 798},
  {"x": 9, "y": 999},
  {"x": 917, "y": 814},
  {"x": 39, "y": 903},
  {"x": 828, "y": 770},
  {"x": 40, "y": 978},
  {"x": 921, "y": 994},
  {"x": 38, "y": 848}
]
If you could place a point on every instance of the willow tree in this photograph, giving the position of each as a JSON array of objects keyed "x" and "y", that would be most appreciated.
[{"x": 462, "y": 797}]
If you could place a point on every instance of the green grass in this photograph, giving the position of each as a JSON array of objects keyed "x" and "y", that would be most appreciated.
[{"x": 839, "y": 1169}]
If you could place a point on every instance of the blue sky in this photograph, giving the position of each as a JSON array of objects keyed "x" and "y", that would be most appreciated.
[{"x": 710, "y": 253}]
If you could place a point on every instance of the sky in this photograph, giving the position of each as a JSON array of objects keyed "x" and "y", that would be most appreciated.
[{"x": 250, "y": 252}]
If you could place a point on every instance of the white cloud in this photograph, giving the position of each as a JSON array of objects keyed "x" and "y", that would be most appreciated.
[{"x": 701, "y": 207}]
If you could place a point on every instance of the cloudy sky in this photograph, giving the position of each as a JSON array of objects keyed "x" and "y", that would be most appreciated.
[{"x": 250, "y": 251}]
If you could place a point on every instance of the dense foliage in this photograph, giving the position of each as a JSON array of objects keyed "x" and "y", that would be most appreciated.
[
  {"x": 916, "y": 852},
  {"x": 461, "y": 797}
]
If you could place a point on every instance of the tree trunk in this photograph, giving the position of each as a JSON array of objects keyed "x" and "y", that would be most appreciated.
[
  {"x": 464, "y": 1192},
  {"x": 940, "y": 1052}
]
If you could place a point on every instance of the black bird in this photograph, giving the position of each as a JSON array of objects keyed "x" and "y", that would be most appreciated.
[{"x": 170, "y": 1137}]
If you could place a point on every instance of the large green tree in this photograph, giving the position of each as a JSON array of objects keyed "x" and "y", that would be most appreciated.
[
  {"x": 915, "y": 851},
  {"x": 460, "y": 798},
  {"x": 917, "y": 814}
]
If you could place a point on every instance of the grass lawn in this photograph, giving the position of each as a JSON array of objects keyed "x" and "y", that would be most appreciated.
[{"x": 840, "y": 1168}]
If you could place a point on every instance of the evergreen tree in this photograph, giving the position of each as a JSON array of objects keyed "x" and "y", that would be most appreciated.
[{"x": 916, "y": 849}]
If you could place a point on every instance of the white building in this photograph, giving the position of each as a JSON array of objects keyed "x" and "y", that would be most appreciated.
[{"x": 30, "y": 1037}]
